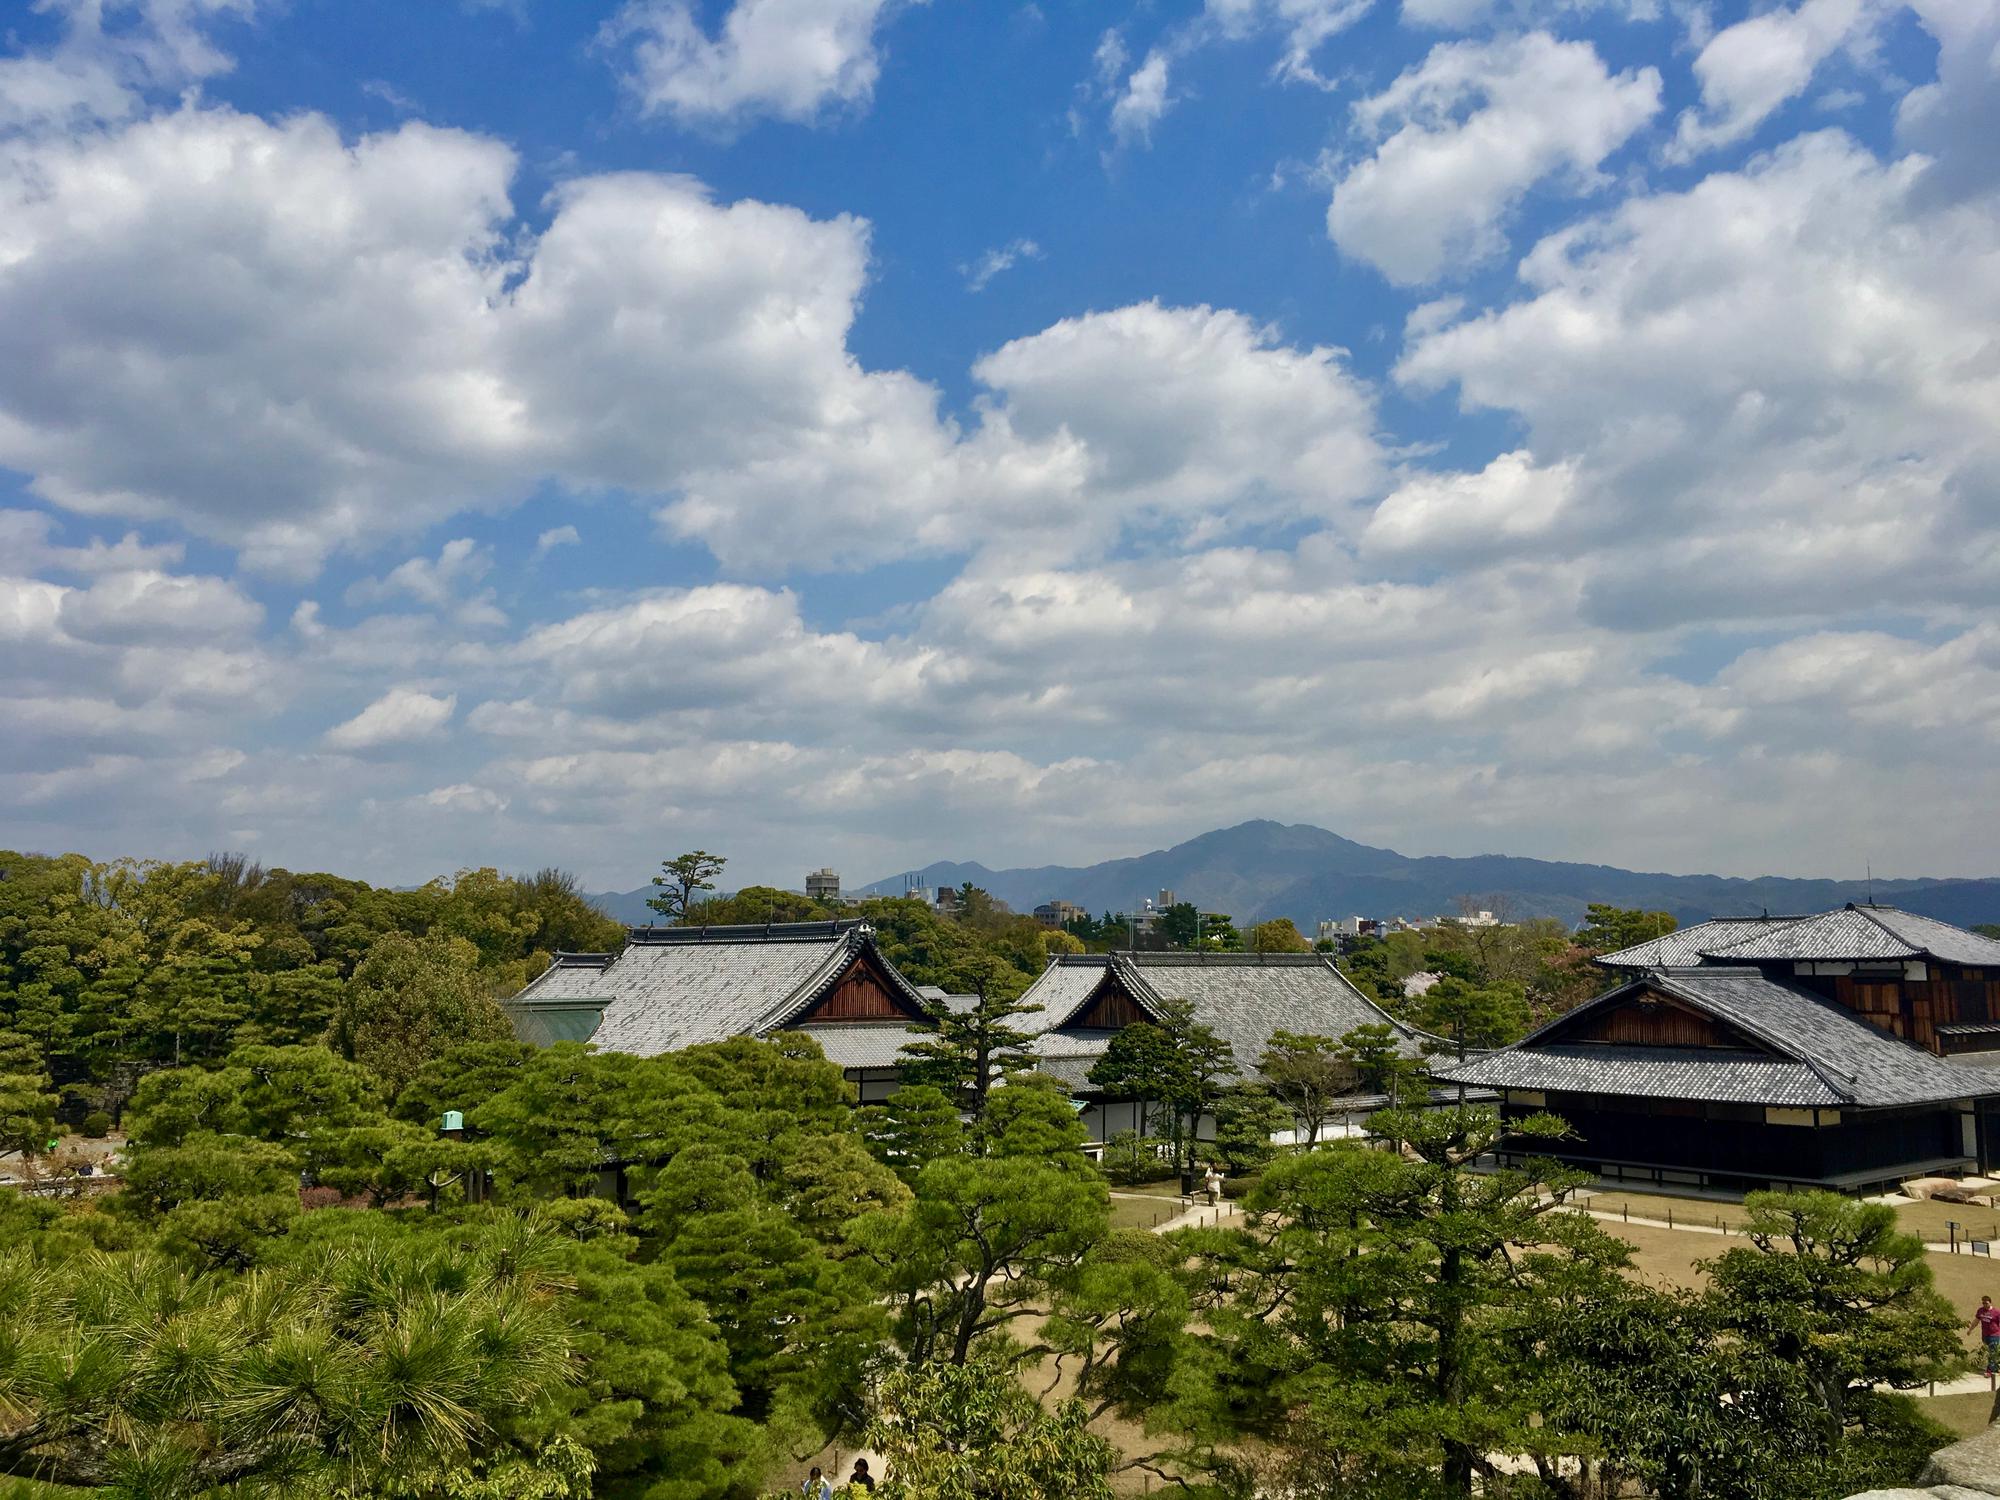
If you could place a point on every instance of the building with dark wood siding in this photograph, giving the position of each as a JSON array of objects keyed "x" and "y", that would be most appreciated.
[
  {"x": 675, "y": 987},
  {"x": 1083, "y": 1000},
  {"x": 1843, "y": 1049}
]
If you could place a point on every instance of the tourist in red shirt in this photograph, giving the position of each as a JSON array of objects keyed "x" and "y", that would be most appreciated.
[{"x": 1987, "y": 1321}]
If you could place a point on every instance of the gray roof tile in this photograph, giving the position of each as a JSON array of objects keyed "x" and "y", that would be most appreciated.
[
  {"x": 1857, "y": 1063},
  {"x": 1244, "y": 996},
  {"x": 675, "y": 987},
  {"x": 1686, "y": 945}
]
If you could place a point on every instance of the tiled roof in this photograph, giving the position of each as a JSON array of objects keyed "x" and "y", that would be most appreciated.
[
  {"x": 1243, "y": 996},
  {"x": 1686, "y": 945},
  {"x": 1861, "y": 933},
  {"x": 676, "y": 987},
  {"x": 863, "y": 1044},
  {"x": 1703, "y": 1073},
  {"x": 1856, "y": 1063}
]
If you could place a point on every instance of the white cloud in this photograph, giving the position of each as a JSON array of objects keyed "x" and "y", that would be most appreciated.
[
  {"x": 1781, "y": 377},
  {"x": 1143, "y": 101},
  {"x": 148, "y": 605},
  {"x": 1748, "y": 70},
  {"x": 399, "y": 717},
  {"x": 1306, "y": 25},
  {"x": 1468, "y": 132},
  {"x": 554, "y": 537},
  {"x": 789, "y": 59},
  {"x": 1956, "y": 118},
  {"x": 1445, "y": 517},
  {"x": 459, "y": 563},
  {"x": 982, "y": 271},
  {"x": 109, "y": 54}
]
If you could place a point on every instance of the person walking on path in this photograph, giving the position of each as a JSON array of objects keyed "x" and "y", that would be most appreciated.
[
  {"x": 861, "y": 1479},
  {"x": 1987, "y": 1321},
  {"x": 1213, "y": 1182},
  {"x": 815, "y": 1487}
]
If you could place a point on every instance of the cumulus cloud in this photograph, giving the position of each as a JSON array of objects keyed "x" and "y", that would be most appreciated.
[
  {"x": 1781, "y": 376},
  {"x": 788, "y": 59},
  {"x": 399, "y": 717},
  {"x": 1748, "y": 70},
  {"x": 109, "y": 55},
  {"x": 1457, "y": 141}
]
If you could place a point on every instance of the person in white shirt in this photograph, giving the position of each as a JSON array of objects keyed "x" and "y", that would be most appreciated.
[{"x": 815, "y": 1487}]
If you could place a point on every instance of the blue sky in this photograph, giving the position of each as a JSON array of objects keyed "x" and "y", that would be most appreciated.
[{"x": 836, "y": 431}]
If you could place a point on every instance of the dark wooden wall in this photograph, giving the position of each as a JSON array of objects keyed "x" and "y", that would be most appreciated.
[
  {"x": 1914, "y": 1008},
  {"x": 858, "y": 995},
  {"x": 1111, "y": 1009},
  {"x": 1661, "y": 1024}
]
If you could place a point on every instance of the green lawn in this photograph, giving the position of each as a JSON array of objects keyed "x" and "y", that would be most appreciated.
[{"x": 1928, "y": 1220}]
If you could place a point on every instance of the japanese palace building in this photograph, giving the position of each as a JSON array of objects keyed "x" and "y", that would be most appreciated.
[
  {"x": 1085, "y": 999},
  {"x": 1849, "y": 1049},
  {"x": 675, "y": 987}
]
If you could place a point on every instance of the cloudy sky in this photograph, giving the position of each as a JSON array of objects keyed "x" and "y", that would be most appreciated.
[{"x": 864, "y": 431}]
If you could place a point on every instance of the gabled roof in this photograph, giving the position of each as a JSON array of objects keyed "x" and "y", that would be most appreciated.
[
  {"x": 676, "y": 987},
  {"x": 1243, "y": 996},
  {"x": 1686, "y": 945},
  {"x": 1860, "y": 933},
  {"x": 1818, "y": 1052}
]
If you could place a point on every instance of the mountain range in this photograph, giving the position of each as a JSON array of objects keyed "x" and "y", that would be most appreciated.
[{"x": 1259, "y": 870}]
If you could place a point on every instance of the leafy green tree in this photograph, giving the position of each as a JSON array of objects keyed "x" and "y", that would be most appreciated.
[
  {"x": 971, "y": 1429},
  {"x": 460, "y": 1078},
  {"x": 1472, "y": 1015},
  {"x": 1246, "y": 1117},
  {"x": 411, "y": 1000},
  {"x": 216, "y": 1199},
  {"x": 1373, "y": 1329},
  {"x": 914, "y": 1127},
  {"x": 757, "y": 903},
  {"x": 1607, "y": 928},
  {"x": 1279, "y": 935},
  {"x": 678, "y": 880},
  {"x": 988, "y": 1239},
  {"x": 1832, "y": 1287},
  {"x": 1141, "y": 1062},
  {"x": 969, "y": 1051},
  {"x": 28, "y": 1101},
  {"x": 1308, "y": 1073}
]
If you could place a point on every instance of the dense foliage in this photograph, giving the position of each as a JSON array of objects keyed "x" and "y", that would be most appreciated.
[{"x": 669, "y": 1278}]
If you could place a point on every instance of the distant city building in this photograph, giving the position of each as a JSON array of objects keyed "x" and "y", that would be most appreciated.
[
  {"x": 949, "y": 901},
  {"x": 1059, "y": 913},
  {"x": 1333, "y": 929},
  {"x": 823, "y": 885},
  {"x": 1165, "y": 899}
]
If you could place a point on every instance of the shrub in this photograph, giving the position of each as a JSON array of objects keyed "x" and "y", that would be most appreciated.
[{"x": 96, "y": 1125}]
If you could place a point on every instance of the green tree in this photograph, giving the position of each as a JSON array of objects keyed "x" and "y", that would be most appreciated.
[
  {"x": 916, "y": 1126},
  {"x": 1279, "y": 935},
  {"x": 1832, "y": 1287},
  {"x": 28, "y": 1101},
  {"x": 412, "y": 1000},
  {"x": 1308, "y": 1073},
  {"x": 1377, "y": 1329},
  {"x": 1472, "y": 1015},
  {"x": 971, "y": 1429},
  {"x": 368, "y": 1372},
  {"x": 987, "y": 1240},
  {"x": 969, "y": 1051},
  {"x": 757, "y": 903},
  {"x": 1246, "y": 1118},
  {"x": 1606, "y": 928},
  {"x": 678, "y": 880}
]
